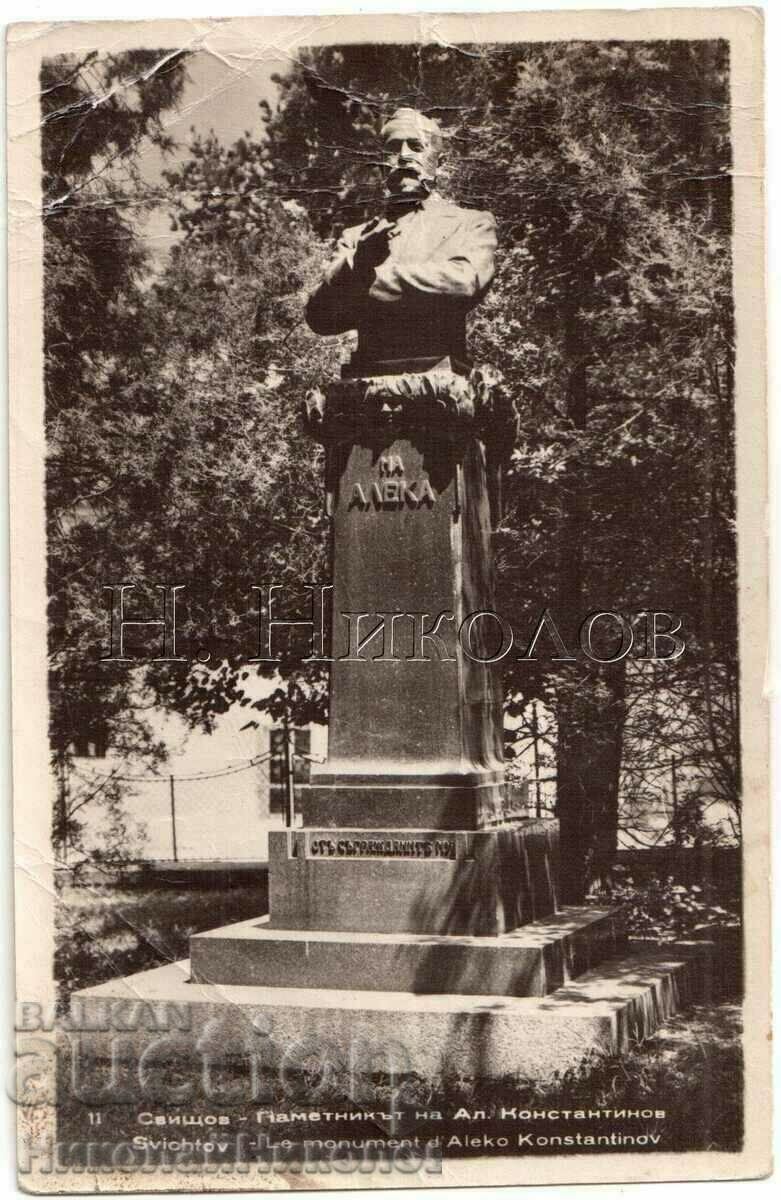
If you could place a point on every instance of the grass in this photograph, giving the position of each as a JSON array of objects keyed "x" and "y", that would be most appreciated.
[{"x": 107, "y": 931}]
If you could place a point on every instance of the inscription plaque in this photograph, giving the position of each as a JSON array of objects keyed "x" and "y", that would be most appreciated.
[{"x": 319, "y": 845}]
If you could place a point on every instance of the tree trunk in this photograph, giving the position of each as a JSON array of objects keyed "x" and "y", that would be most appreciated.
[
  {"x": 590, "y": 697},
  {"x": 573, "y": 793},
  {"x": 572, "y": 784},
  {"x": 608, "y": 749},
  {"x": 591, "y": 715}
]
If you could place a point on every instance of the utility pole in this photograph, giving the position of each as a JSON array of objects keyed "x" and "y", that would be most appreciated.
[
  {"x": 173, "y": 817},
  {"x": 287, "y": 772}
]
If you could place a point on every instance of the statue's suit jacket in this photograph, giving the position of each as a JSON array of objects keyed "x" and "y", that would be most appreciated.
[{"x": 414, "y": 304}]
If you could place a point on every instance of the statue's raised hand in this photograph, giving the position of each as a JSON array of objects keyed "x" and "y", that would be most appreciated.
[{"x": 373, "y": 245}]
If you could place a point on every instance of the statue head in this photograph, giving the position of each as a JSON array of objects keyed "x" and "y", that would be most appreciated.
[{"x": 411, "y": 143}]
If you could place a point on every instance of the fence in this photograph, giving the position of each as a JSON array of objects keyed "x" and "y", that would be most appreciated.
[
  {"x": 206, "y": 815},
  {"x": 226, "y": 814}
]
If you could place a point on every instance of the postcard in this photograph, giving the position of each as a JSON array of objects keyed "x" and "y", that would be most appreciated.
[{"x": 389, "y": 585}]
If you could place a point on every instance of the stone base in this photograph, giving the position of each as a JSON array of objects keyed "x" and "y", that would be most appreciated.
[
  {"x": 432, "y": 1036},
  {"x": 530, "y": 961},
  {"x": 413, "y": 881}
]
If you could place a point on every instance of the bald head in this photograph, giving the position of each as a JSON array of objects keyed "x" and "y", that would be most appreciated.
[{"x": 411, "y": 143}]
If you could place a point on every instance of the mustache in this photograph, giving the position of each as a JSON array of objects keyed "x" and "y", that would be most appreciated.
[
  {"x": 413, "y": 167},
  {"x": 400, "y": 172}
]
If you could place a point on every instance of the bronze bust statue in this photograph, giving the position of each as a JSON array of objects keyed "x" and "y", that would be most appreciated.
[{"x": 405, "y": 280}]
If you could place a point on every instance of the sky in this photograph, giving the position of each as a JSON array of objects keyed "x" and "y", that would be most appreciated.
[{"x": 221, "y": 96}]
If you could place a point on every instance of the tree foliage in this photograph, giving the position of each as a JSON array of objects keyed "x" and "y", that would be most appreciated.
[
  {"x": 96, "y": 112},
  {"x": 175, "y": 452}
]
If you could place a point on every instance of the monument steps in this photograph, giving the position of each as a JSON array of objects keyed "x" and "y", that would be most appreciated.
[
  {"x": 625, "y": 999},
  {"x": 532, "y": 960}
]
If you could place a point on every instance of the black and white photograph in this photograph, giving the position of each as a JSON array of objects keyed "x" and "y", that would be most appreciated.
[{"x": 388, "y": 600}]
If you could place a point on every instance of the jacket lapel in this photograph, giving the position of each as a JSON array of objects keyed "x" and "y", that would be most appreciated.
[
  {"x": 438, "y": 226},
  {"x": 430, "y": 227}
]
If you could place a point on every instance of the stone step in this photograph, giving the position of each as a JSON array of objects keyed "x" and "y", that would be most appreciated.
[
  {"x": 530, "y": 961},
  {"x": 162, "y": 1013}
]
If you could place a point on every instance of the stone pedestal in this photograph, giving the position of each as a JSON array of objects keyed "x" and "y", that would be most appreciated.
[
  {"x": 407, "y": 893},
  {"x": 415, "y": 725},
  {"x": 403, "y": 825}
]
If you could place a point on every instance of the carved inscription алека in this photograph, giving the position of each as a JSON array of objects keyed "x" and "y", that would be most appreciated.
[{"x": 392, "y": 489}]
